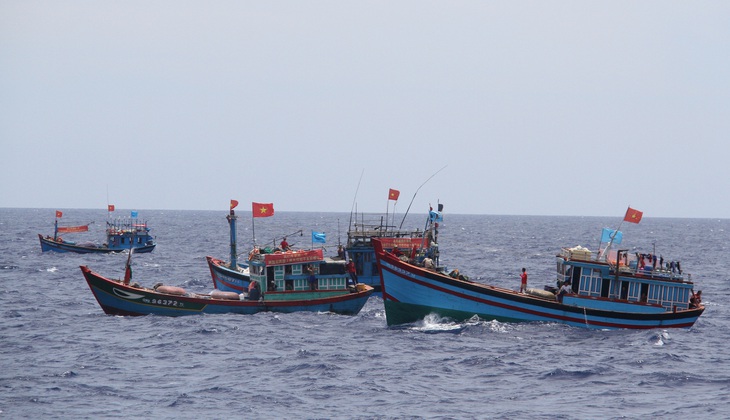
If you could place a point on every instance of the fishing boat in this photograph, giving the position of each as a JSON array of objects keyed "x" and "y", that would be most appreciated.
[
  {"x": 121, "y": 234},
  {"x": 278, "y": 269},
  {"x": 119, "y": 297},
  {"x": 603, "y": 290}
]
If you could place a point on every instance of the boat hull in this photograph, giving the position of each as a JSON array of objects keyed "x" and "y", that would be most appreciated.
[
  {"x": 115, "y": 298},
  {"x": 410, "y": 293},
  {"x": 226, "y": 279},
  {"x": 51, "y": 245}
]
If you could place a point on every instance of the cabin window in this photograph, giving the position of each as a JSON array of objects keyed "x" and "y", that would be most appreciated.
[
  {"x": 654, "y": 293},
  {"x": 121, "y": 241},
  {"x": 279, "y": 273},
  {"x": 634, "y": 289},
  {"x": 296, "y": 269},
  {"x": 591, "y": 282}
]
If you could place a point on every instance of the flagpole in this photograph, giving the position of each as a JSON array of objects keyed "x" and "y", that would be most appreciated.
[
  {"x": 387, "y": 205},
  {"x": 613, "y": 236},
  {"x": 253, "y": 229}
]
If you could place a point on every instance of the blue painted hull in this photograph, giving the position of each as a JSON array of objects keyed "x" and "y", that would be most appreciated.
[
  {"x": 411, "y": 292},
  {"x": 115, "y": 298},
  {"x": 226, "y": 279},
  {"x": 51, "y": 245}
]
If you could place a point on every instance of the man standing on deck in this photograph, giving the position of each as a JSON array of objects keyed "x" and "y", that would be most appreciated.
[{"x": 523, "y": 278}]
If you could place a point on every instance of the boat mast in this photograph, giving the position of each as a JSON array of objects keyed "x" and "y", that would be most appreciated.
[{"x": 232, "y": 222}]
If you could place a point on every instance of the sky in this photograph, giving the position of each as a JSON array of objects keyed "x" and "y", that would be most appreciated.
[{"x": 564, "y": 108}]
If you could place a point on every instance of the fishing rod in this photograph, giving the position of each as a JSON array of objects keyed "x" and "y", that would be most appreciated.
[
  {"x": 414, "y": 195},
  {"x": 355, "y": 198}
]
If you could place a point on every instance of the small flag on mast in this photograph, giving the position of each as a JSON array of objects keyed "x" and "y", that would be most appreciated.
[
  {"x": 633, "y": 216},
  {"x": 319, "y": 237},
  {"x": 234, "y": 203},
  {"x": 110, "y": 207},
  {"x": 59, "y": 214},
  {"x": 393, "y": 194}
]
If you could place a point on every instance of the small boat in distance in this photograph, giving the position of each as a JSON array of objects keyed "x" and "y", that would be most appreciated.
[
  {"x": 121, "y": 235},
  {"x": 606, "y": 290}
]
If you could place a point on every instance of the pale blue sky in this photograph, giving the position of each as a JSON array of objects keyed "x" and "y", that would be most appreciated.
[{"x": 534, "y": 107}]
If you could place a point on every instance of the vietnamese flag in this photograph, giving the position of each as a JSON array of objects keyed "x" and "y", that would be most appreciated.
[
  {"x": 110, "y": 207},
  {"x": 234, "y": 203},
  {"x": 263, "y": 209},
  {"x": 633, "y": 216},
  {"x": 393, "y": 194},
  {"x": 59, "y": 214}
]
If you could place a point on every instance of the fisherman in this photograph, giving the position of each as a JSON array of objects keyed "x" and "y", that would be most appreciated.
[
  {"x": 565, "y": 289},
  {"x": 523, "y": 280},
  {"x": 696, "y": 300},
  {"x": 352, "y": 271},
  {"x": 285, "y": 245}
]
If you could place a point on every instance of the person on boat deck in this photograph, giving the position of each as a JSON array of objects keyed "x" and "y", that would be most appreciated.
[
  {"x": 696, "y": 300},
  {"x": 523, "y": 280},
  {"x": 341, "y": 252},
  {"x": 565, "y": 289},
  {"x": 312, "y": 278},
  {"x": 396, "y": 252},
  {"x": 352, "y": 271},
  {"x": 254, "y": 293},
  {"x": 428, "y": 263},
  {"x": 285, "y": 245}
]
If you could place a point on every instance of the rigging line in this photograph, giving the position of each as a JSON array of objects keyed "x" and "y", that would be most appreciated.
[
  {"x": 414, "y": 195},
  {"x": 355, "y": 198}
]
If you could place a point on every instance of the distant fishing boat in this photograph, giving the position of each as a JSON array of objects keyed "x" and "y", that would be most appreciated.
[
  {"x": 121, "y": 234},
  {"x": 605, "y": 290},
  {"x": 281, "y": 272}
]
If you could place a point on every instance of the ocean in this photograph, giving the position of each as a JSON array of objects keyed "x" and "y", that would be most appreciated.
[{"x": 62, "y": 357}]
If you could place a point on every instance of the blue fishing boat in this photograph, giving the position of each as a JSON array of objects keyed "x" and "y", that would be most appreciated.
[
  {"x": 278, "y": 269},
  {"x": 603, "y": 290},
  {"x": 121, "y": 235}
]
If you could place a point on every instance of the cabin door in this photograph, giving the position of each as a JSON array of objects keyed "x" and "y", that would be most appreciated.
[{"x": 605, "y": 287}]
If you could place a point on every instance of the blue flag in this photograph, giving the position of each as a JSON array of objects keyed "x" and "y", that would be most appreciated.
[
  {"x": 607, "y": 233},
  {"x": 435, "y": 216},
  {"x": 319, "y": 237},
  {"x": 134, "y": 214}
]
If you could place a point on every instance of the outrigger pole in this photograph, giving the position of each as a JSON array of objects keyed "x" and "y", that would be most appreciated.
[{"x": 414, "y": 195}]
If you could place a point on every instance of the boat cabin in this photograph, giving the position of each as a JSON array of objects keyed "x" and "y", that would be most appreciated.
[
  {"x": 621, "y": 276},
  {"x": 290, "y": 270},
  {"x": 361, "y": 252},
  {"x": 122, "y": 233}
]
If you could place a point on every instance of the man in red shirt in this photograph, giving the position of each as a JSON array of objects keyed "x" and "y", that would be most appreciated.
[{"x": 523, "y": 277}]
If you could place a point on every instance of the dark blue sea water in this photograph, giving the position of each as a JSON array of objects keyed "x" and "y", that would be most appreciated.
[{"x": 61, "y": 357}]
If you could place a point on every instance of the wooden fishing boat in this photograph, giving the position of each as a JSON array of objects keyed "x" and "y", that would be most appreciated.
[
  {"x": 121, "y": 234},
  {"x": 277, "y": 269},
  {"x": 119, "y": 297},
  {"x": 606, "y": 290}
]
